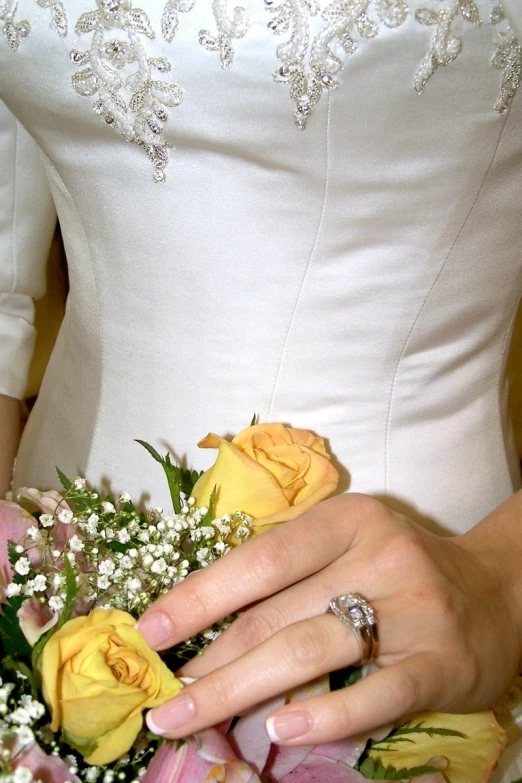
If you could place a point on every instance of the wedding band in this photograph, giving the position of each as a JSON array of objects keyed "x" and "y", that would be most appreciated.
[{"x": 360, "y": 618}]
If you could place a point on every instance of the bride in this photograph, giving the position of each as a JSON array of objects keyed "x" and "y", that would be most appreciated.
[{"x": 313, "y": 213}]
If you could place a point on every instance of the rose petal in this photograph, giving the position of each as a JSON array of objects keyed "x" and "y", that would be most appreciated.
[{"x": 35, "y": 619}]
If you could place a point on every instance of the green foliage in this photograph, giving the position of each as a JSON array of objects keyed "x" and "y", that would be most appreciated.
[
  {"x": 401, "y": 735},
  {"x": 9, "y": 664},
  {"x": 71, "y": 591},
  {"x": 343, "y": 678},
  {"x": 13, "y": 641},
  {"x": 64, "y": 481},
  {"x": 179, "y": 479},
  {"x": 374, "y": 770},
  {"x": 254, "y": 420},
  {"x": 209, "y": 516}
]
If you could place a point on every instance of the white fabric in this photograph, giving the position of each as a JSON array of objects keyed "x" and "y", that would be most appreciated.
[
  {"x": 27, "y": 219},
  {"x": 358, "y": 278}
]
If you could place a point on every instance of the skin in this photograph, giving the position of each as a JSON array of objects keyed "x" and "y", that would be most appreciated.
[
  {"x": 10, "y": 436},
  {"x": 449, "y": 612}
]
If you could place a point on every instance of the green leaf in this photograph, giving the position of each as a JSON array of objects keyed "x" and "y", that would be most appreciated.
[
  {"x": 172, "y": 472},
  {"x": 38, "y": 649},
  {"x": 367, "y": 768},
  {"x": 18, "y": 666},
  {"x": 412, "y": 772},
  {"x": 254, "y": 420},
  {"x": 431, "y": 731},
  {"x": 71, "y": 591},
  {"x": 209, "y": 516},
  {"x": 343, "y": 678},
  {"x": 14, "y": 642},
  {"x": 64, "y": 481}
]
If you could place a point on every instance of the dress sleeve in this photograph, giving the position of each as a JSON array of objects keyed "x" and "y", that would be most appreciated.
[{"x": 27, "y": 221}]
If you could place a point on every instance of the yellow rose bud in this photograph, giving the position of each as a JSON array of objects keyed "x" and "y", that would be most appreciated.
[
  {"x": 269, "y": 471},
  {"x": 98, "y": 676}
]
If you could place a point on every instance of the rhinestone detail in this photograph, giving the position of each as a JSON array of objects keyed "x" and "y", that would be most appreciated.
[
  {"x": 128, "y": 95},
  {"x": 358, "y": 612}
]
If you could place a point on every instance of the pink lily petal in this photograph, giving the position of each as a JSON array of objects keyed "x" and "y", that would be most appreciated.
[
  {"x": 49, "y": 502},
  {"x": 212, "y": 746},
  {"x": 15, "y": 521},
  {"x": 183, "y": 765},
  {"x": 47, "y": 769},
  {"x": 35, "y": 619},
  {"x": 347, "y": 751},
  {"x": 240, "y": 772},
  {"x": 205, "y": 757},
  {"x": 249, "y": 739},
  {"x": 283, "y": 760},
  {"x": 317, "y": 769}
]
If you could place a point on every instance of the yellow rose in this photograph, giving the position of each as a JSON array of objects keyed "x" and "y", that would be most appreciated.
[
  {"x": 98, "y": 676},
  {"x": 269, "y": 471},
  {"x": 468, "y": 759}
]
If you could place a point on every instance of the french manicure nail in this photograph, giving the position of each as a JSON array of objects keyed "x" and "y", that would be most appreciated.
[
  {"x": 288, "y": 725},
  {"x": 156, "y": 628},
  {"x": 171, "y": 716}
]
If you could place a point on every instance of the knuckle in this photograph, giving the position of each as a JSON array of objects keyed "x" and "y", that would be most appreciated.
[
  {"x": 196, "y": 606},
  {"x": 404, "y": 550},
  {"x": 256, "y": 626},
  {"x": 268, "y": 563},
  {"x": 404, "y": 691},
  {"x": 309, "y": 647}
]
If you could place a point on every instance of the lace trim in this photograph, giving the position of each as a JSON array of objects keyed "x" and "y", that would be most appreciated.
[
  {"x": 132, "y": 99},
  {"x": 12, "y": 30},
  {"x": 129, "y": 96}
]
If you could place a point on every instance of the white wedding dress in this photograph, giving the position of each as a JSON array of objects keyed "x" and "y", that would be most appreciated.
[{"x": 357, "y": 276}]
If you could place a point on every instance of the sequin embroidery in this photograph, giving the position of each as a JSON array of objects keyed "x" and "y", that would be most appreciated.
[
  {"x": 116, "y": 69},
  {"x": 12, "y": 30}
]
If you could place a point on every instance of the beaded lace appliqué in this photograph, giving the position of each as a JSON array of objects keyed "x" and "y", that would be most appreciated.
[
  {"x": 12, "y": 30},
  {"x": 132, "y": 98},
  {"x": 130, "y": 95}
]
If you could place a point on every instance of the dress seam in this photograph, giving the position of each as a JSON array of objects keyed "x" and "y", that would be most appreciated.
[
  {"x": 308, "y": 264},
  {"x": 14, "y": 220},
  {"x": 97, "y": 301},
  {"x": 393, "y": 387}
]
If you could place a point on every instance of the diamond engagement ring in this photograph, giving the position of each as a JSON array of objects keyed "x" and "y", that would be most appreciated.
[{"x": 360, "y": 618}]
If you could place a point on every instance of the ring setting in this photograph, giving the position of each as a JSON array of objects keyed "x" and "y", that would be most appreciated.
[{"x": 356, "y": 613}]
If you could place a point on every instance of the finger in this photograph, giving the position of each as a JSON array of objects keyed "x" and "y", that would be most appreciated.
[
  {"x": 311, "y": 598},
  {"x": 381, "y": 698},
  {"x": 292, "y": 657},
  {"x": 249, "y": 573}
]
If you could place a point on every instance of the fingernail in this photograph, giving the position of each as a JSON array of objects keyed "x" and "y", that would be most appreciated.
[
  {"x": 156, "y": 628},
  {"x": 288, "y": 725},
  {"x": 171, "y": 716}
]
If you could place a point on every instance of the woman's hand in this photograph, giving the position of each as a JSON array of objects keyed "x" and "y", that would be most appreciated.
[{"x": 449, "y": 614}]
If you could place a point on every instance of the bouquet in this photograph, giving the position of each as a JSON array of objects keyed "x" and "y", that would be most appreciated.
[{"x": 79, "y": 568}]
